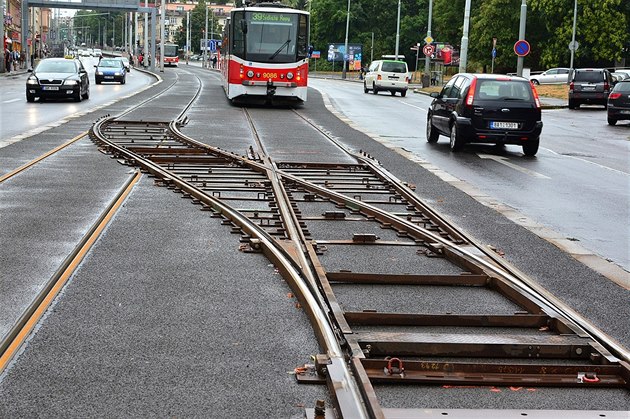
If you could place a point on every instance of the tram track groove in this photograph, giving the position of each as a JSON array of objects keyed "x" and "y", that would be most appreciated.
[
  {"x": 555, "y": 331},
  {"x": 12, "y": 342}
]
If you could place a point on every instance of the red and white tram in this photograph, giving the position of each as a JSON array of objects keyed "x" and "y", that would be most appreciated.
[{"x": 265, "y": 52}]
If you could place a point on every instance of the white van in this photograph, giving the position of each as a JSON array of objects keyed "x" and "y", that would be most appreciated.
[{"x": 388, "y": 75}]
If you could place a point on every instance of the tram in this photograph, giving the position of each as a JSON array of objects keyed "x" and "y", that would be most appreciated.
[
  {"x": 170, "y": 54},
  {"x": 264, "y": 53}
]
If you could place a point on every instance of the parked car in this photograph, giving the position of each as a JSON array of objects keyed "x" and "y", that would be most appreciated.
[
  {"x": 619, "y": 102},
  {"x": 110, "y": 69},
  {"x": 553, "y": 75},
  {"x": 620, "y": 75},
  {"x": 486, "y": 108},
  {"x": 387, "y": 75},
  {"x": 97, "y": 53},
  {"x": 125, "y": 63},
  {"x": 589, "y": 85},
  {"x": 59, "y": 78}
]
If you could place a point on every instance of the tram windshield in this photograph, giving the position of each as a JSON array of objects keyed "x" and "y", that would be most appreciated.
[
  {"x": 170, "y": 50},
  {"x": 271, "y": 37}
]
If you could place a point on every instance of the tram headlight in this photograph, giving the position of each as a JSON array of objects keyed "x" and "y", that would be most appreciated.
[
  {"x": 290, "y": 75},
  {"x": 250, "y": 74}
]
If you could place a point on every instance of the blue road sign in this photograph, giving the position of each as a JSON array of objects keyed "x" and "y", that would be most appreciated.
[
  {"x": 494, "y": 53},
  {"x": 521, "y": 48}
]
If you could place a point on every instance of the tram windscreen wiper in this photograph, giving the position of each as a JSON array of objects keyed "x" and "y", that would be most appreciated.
[{"x": 280, "y": 49}]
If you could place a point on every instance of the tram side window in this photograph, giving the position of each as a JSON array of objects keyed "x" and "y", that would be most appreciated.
[
  {"x": 302, "y": 40},
  {"x": 239, "y": 28}
]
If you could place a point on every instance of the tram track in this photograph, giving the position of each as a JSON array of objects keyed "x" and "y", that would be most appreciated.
[
  {"x": 375, "y": 270},
  {"x": 24, "y": 323}
]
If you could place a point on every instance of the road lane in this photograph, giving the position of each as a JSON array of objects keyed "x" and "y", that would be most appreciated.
[
  {"x": 578, "y": 185},
  {"x": 18, "y": 117}
]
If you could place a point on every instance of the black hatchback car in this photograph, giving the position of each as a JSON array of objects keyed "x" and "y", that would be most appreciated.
[
  {"x": 619, "y": 102},
  {"x": 486, "y": 108},
  {"x": 58, "y": 78}
]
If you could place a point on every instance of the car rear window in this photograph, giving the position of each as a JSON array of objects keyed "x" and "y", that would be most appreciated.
[
  {"x": 503, "y": 90},
  {"x": 622, "y": 87},
  {"x": 589, "y": 76},
  {"x": 393, "y": 67}
]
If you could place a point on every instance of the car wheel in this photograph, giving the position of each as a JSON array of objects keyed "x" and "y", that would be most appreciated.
[
  {"x": 374, "y": 89},
  {"x": 123, "y": 81},
  {"x": 77, "y": 96},
  {"x": 432, "y": 134},
  {"x": 365, "y": 89},
  {"x": 611, "y": 121},
  {"x": 86, "y": 95},
  {"x": 403, "y": 93},
  {"x": 535, "y": 82},
  {"x": 98, "y": 81},
  {"x": 571, "y": 104},
  {"x": 456, "y": 139},
  {"x": 530, "y": 147},
  {"x": 31, "y": 98}
]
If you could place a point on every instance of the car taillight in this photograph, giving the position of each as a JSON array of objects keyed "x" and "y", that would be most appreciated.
[
  {"x": 536, "y": 98},
  {"x": 606, "y": 86},
  {"x": 615, "y": 95},
  {"x": 571, "y": 86},
  {"x": 471, "y": 93}
]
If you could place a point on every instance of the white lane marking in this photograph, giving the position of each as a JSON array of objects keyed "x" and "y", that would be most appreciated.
[
  {"x": 11, "y": 100},
  {"x": 589, "y": 162},
  {"x": 413, "y": 106},
  {"x": 505, "y": 161}
]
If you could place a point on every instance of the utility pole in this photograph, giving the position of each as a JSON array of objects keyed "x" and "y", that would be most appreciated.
[
  {"x": 205, "y": 44},
  {"x": 397, "y": 32},
  {"x": 345, "y": 53},
  {"x": 187, "y": 35},
  {"x": 146, "y": 36},
  {"x": 573, "y": 44},
  {"x": 427, "y": 60},
  {"x": 463, "y": 55},
  {"x": 521, "y": 37},
  {"x": 162, "y": 33}
]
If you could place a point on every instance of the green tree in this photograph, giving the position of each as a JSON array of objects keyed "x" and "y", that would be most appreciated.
[
  {"x": 197, "y": 27},
  {"x": 600, "y": 41}
]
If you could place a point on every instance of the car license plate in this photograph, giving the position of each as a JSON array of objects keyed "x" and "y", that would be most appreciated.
[
  {"x": 109, "y": 77},
  {"x": 503, "y": 125},
  {"x": 588, "y": 87},
  {"x": 50, "y": 87},
  {"x": 625, "y": 112}
]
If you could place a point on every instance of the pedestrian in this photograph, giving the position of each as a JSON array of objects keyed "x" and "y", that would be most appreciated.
[
  {"x": 16, "y": 60},
  {"x": 140, "y": 59},
  {"x": 7, "y": 59},
  {"x": 214, "y": 61},
  {"x": 22, "y": 59}
]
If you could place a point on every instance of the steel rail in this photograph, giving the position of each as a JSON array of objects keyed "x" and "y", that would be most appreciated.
[
  {"x": 349, "y": 398},
  {"x": 518, "y": 278},
  {"x": 454, "y": 251},
  {"x": 27, "y": 321}
]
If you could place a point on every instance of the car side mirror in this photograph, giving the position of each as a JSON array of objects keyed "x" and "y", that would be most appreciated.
[
  {"x": 30, "y": 70},
  {"x": 434, "y": 94}
]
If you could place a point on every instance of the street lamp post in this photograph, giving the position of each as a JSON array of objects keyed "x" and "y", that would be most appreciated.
[
  {"x": 397, "y": 32},
  {"x": 463, "y": 55},
  {"x": 345, "y": 52},
  {"x": 205, "y": 45},
  {"x": 521, "y": 37},
  {"x": 572, "y": 46},
  {"x": 427, "y": 60}
]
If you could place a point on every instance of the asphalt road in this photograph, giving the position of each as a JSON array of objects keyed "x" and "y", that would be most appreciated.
[
  {"x": 17, "y": 117},
  {"x": 576, "y": 191}
]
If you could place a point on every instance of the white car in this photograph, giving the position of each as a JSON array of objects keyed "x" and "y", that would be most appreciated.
[
  {"x": 98, "y": 53},
  {"x": 387, "y": 75},
  {"x": 551, "y": 76}
]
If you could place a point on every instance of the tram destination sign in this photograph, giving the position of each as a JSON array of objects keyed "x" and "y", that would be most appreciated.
[{"x": 271, "y": 17}]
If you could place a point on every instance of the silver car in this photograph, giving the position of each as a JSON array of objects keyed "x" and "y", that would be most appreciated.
[{"x": 551, "y": 76}]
